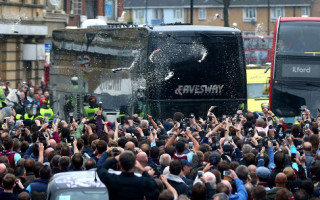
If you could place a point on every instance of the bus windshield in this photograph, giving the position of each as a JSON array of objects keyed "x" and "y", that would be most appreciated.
[
  {"x": 199, "y": 68},
  {"x": 304, "y": 41}
]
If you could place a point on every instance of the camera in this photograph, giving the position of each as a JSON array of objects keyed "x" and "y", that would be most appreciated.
[
  {"x": 183, "y": 126},
  {"x": 265, "y": 141},
  {"x": 293, "y": 157},
  {"x": 23, "y": 131},
  {"x": 191, "y": 116},
  {"x": 200, "y": 174},
  {"x": 158, "y": 122},
  {"x": 248, "y": 140},
  {"x": 306, "y": 127},
  {"x": 237, "y": 116},
  {"x": 251, "y": 132},
  {"x": 190, "y": 145},
  {"x": 50, "y": 124},
  {"x": 218, "y": 144},
  {"x": 100, "y": 105},
  {"x": 70, "y": 139},
  {"x": 119, "y": 120},
  {"x": 131, "y": 130},
  {"x": 226, "y": 173},
  {"x": 303, "y": 108},
  {"x": 42, "y": 138},
  {"x": 224, "y": 117},
  {"x": 209, "y": 118},
  {"x": 274, "y": 142}
]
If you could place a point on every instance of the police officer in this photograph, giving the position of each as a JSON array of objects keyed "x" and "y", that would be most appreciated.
[
  {"x": 90, "y": 111},
  {"x": 32, "y": 111},
  {"x": 45, "y": 112}
]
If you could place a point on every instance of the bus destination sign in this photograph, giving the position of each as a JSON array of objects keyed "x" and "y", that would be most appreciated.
[{"x": 301, "y": 70}]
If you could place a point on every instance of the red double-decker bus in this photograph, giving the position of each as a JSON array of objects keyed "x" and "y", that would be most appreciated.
[
  {"x": 257, "y": 49},
  {"x": 295, "y": 66}
]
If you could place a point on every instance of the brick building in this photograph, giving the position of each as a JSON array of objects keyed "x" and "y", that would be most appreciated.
[{"x": 250, "y": 16}]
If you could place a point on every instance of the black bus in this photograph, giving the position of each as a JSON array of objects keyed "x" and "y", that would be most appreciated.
[{"x": 149, "y": 70}]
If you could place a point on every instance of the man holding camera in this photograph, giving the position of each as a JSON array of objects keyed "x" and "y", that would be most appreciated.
[
  {"x": 127, "y": 186},
  {"x": 12, "y": 156}
]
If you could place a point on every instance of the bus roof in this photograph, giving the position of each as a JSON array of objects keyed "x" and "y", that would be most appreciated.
[
  {"x": 288, "y": 19},
  {"x": 175, "y": 28}
]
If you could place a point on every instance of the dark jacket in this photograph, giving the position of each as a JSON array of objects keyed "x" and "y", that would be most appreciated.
[
  {"x": 8, "y": 196},
  {"x": 272, "y": 176},
  {"x": 38, "y": 189},
  {"x": 179, "y": 185},
  {"x": 127, "y": 186},
  {"x": 271, "y": 194},
  {"x": 30, "y": 177}
]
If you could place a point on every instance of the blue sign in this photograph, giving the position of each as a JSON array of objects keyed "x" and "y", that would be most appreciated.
[
  {"x": 108, "y": 8},
  {"x": 47, "y": 47}
]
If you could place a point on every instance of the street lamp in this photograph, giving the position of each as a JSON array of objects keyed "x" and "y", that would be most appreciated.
[
  {"x": 191, "y": 12},
  {"x": 146, "y": 4},
  {"x": 268, "y": 17}
]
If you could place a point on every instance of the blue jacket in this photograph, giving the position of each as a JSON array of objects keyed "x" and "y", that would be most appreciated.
[
  {"x": 38, "y": 189},
  {"x": 241, "y": 191}
]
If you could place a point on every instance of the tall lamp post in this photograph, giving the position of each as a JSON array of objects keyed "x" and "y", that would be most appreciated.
[
  {"x": 146, "y": 4},
  {"x": 268, "y": 17},
  {"x": 191, "y": 12}
]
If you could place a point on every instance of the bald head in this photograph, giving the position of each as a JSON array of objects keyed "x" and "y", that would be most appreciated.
[
  {"x": 53, "y": 143},
  {"x": 47, "y": 151},
  {"x": 145, "y": 148},
  {"x": 252, "y": 168},
  {"x": 227, "y": 183},
  {"x": 142, "y": 158},
  {"x": 260, "y": 122},
  {"x": 3, "y": 168},
  {"x": 281, "y": 180},
  {"x": 307, "y": 146},
  {"x": 129, "y": 145}
]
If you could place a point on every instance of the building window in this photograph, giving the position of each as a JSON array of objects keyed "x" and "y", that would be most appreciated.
[
  {"x": 250, "y": 14},
  {"x": 305, "y": 11},
  {"x": 139, "y": 14},
  {"x": 202, "y": 13},
  {"x": 276, "y": 13},
  {"x": 157, "y": 13},
  {"x": 76, "y": 7},
  {"x": 177, "y": 13}
]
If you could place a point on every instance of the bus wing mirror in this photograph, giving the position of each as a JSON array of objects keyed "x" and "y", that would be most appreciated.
[{"x": 267, "y": 69}]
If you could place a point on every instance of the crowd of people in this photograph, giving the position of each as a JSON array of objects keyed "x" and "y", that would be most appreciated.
[{"x": 246, "y": 155}]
